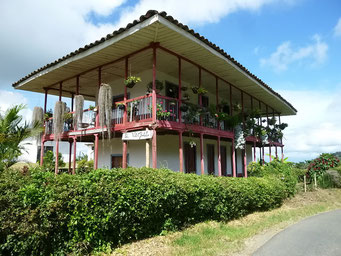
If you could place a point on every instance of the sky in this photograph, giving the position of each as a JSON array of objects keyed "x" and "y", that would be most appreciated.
[{"x": 292, "y": 45}]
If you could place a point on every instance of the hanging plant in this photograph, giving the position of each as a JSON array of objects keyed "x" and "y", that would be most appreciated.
[
  {"x": 185, "y": 97},
  {"x": 195, "y": 89},
  {"x": 184, "y": 108},
  {"x": 58, "y": 119},
  {"x": 38, "y": 120},
  {"x": 131, "y": 81},
  {"x": 184, "y": 88},
  {"x": 202, "y": 91},
  {"x": 120, "y": 105},
  {"x": 239, "y": 137},
  {"x": 105, "y": 107},
  {"x": 158, "y": 85},
  {"x": 78, "y": 115},
  {"x": 272, "y": 121},
  {"x": 48, "y": 114}
]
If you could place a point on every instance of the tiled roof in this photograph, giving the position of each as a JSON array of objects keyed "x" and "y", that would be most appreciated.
[{"x": 149, "y": 14}]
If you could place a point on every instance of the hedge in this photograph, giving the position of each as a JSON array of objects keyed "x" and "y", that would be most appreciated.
[{"x": 42, "y": 214}]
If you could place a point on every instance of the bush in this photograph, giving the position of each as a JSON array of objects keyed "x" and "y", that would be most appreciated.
[
  {"x": 43, "y": 214},
  {"x": 320, "y": 165},
  {"x": 281, "y": 170},
  {"x": 84, "y": 166},
  {"x": 49, "y": 161}
]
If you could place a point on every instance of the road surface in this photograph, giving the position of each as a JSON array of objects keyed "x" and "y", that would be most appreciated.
[{"x": 319, "y": 235}]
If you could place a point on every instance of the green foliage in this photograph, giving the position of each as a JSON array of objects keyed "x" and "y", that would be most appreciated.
[
  {"x": 281, "y": 170},
  {"x": 49, "y": 161},
  {"x": 84, "y": 166},
  {"x": 13, "y": 131},
  {"x": 322, "y": 163},
  {"x": 44, "y": 214}
]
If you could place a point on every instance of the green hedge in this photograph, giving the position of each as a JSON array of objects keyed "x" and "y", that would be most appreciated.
[{"x": 42, "y": 214}]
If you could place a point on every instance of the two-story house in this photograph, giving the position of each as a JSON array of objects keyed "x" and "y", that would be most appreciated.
[{"x": 195, "y": 110}]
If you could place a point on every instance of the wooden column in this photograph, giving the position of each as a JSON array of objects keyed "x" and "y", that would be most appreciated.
[
  {"x": 70, "y": 152},
  {"x": 74, "y": 154},
  {"x": 60, "y": 91},
  {"x": 244, "y": 162},
  {"x": 96, "y": 152},
  {"x": 56, "y": 170},
  {"x": 270, "y": 157},
  {"x": 154, "y": 87},
  {"x": 179, "y": 92},
  {"x": 200, "y": 95},
  {"x": 147, "y": 153},
  {"x": 202, "y": 154},
  {"x": 234, "y": 173},
  {"x": 124, "y": 153},
  {"x": 42, "y": 152},
  {"x": 263, "y": 160},
  {"x": 72, "y": 101},
  {"x": 276, "y": 152},
  {"x": 154, "y": 149},
  {"x": 45, "y": 101},
  {"x": 217, "y": 98},
  {"x": 125, "y": 96},
  {"x": 181, "y": 165},
  {"x": 219, "y": 156},
  {"x": 99, "y": 85},
  {"x": 282, "y": 153},
  {"x": 77, "y": 85}
]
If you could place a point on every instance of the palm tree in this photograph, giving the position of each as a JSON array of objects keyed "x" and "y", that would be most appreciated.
[{"x": 13, "y": 131}]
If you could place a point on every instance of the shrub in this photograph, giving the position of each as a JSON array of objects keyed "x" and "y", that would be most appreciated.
[
  {"x": 84, "y": 166},
  {"x": 321, "y": 164},
  {"x": 284, "y": 171},
  {"x": 43, "y": 214},
  {"x": 49, "y": 161}
]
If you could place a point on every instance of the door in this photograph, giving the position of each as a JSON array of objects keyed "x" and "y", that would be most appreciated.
[
  {"x": 223, "y": 160},
  {"x": 116, "y": 161},
  {"x": 210, "y": 159},
  {"x": 190, "y": 158}
]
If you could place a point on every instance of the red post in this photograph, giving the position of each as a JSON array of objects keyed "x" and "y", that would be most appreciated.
[
  {"x": 179, "y": 94},
  {"x": 154, "y": 149},
  {"x": 96, "y": 152},
  {"x": 282, "y": 153},
  {"x": 270, "y": 157},
  {"x": 234, "y": 174},
  {"x": 217, "y": 99},
  {"x": 200, "y": 95},
  {"x": 276, "y": 152},
  {"x": 60, "y": 91},
  {"x": 56, "y": 170},
  {"x": 70, "y": 151},
  {"x": 125, "y": 95},
  {"x": 74, "y": 155},
  {"x": 72, "y": 101},
  {"x": 263, "y": 160},
  {"x": 244, "y": 162},
  {"x": 231, "y": 105},
  {"x": 219, "y": 156},
  {"x": 124, "y": 154},
  {"x": 154, "y": 87},
  {"x": 99, "y": 85},
  {"x": 242, "y": 100},
  {"x": 42, "y": 152},
  {"x": 181, "y": 168},
  {"x": 202, "y": 154},
  {"x": 45, "y": 101},
  {"x": 77, "y": 85}
]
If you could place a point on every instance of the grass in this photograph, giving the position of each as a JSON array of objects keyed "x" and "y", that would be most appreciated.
[{"x": 238, "y": 237}]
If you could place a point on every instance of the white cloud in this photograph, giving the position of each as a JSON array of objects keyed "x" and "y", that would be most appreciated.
[
  {"x": 312, "y": 54},
  {"x": 337, "y": 28},
  {"x": 9, "y": 99},
  {"x": 316, "y": 127}
]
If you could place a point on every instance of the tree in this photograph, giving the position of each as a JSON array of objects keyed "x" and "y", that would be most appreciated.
[{"x": 13, "y": 131}]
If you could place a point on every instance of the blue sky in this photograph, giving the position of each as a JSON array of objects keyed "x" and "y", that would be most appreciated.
[{"x": 294, "y": 46}]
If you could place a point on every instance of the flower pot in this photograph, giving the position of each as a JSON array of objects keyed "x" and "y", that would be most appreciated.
[
  {"x": 121, "y": 106},
  {"x": 195, "y": 90},
  {"x": 130, "y": 84}
]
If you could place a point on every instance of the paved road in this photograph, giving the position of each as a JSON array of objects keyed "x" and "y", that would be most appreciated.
[{"x": 319, "y": 235}]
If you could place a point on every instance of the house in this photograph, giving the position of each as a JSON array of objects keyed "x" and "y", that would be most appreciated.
[{"x": 196, "y": 109}]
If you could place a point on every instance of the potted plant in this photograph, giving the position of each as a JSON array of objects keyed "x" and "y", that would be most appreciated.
[
  {"x": 195, "y": 89},
  {"x": 131, "y": 81},
  {"x": 185, "y": 97},
  {"x": 184, "y": 88},
  {"x": 202, "y": 91},
  {"x": 158, "y": 85},
  {"x": 120, "y": 105}
]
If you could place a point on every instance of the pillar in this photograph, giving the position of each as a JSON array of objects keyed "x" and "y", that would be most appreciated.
[
  {"x": 96, "y": 152},
  {"x": 42, "y": 152},
  {"x": 219, "y": 156},
  {"x": 254, "y": 151},
  {"x": 154, "y": 149},
  {"x": 244, "y": 162},
  {"x": 276, "y": 152},
  {"x": 202, "y": 154},
  {"x": 154, "y": 93},
  {"x": 74, "y": 154},
  {"x": 181, "y": 165},
  {"x": 234, "y": 174},
  {"x": 270, "y": 157},
  {"x": 124, "y": 153},
  {"x": 282, "y": 153},
  {"x": 56, "y": 170},
  {"x": 70, "y": 151},
  {"x": 147, "y": 153},
  {"x": 125, "y": 98}
]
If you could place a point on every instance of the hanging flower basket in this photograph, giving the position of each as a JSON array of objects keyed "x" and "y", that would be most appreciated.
[
  {"x": 120, "y": 106},
  {"x": 131, "y": 81},
  {"x": 195, "y": 89}
]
